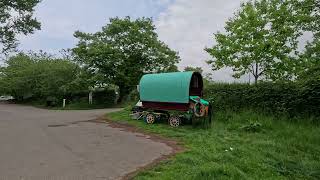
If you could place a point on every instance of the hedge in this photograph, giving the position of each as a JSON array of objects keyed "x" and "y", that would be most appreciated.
[
  {"x": 99, "y": 97},
  {"x": 285, "y": 98}
]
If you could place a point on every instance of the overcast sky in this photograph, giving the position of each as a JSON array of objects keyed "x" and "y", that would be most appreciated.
[{"x": 187, "y": 26}]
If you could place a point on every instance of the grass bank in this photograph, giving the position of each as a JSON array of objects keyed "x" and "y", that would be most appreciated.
[{"x": 244, "y": 145}]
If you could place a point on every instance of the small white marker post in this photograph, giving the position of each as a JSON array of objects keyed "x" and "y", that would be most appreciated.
[
  {"x": 64, "y": 103},
  {"x": 90, "y": 97}
]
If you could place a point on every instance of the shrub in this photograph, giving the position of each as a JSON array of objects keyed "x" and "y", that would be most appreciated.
[
  {"x": 104, "y": 96},
  {"x": 299, "y": 98},
  {"x": 99, "y": 97}
]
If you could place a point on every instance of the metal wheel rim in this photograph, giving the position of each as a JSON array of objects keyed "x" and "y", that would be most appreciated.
[
  {"x": 150, "y": 119},
  {"x": 174, "y": 121}
]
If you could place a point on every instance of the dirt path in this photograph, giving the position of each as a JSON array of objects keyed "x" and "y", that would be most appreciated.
[{"x": 37, "y": 143}]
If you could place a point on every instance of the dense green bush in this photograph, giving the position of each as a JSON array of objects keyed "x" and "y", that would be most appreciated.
[
  {"x": 299, "y": 98},
  {"x": 105, "y": 96},
  {"x": 37, "y": 77},
  {"x": 42, "y": 79},
  {"x": 100, "y": 98}
]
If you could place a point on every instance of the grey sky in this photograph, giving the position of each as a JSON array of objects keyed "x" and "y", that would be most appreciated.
[{"x": 187, "y": 26}]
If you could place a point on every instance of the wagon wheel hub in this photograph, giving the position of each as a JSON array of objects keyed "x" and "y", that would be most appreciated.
[
  {"x": 174, "y": 121},
  {"x": 150, "y": 118}
]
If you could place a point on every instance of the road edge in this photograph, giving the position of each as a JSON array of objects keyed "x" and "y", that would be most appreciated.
[{"x": 173, "y": 144}]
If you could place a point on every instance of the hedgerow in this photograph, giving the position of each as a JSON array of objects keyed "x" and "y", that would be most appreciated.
[{"x": 301, "y": 98}]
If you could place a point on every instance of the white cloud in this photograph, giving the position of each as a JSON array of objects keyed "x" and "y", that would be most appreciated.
[
  {"x": 188, "y": 26},
  {"x": 60, "y": 19}
]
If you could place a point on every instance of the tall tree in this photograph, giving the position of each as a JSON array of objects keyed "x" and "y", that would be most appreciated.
[
  {"x": 16, "y": 17},
  {"x": 310, "y": 58},
  {"x": 123, "y": 51},
  {"x": 261, "y": 39}
]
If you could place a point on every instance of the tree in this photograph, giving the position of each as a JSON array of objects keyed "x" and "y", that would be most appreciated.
[
  {"x": 172, "y": 68},
  {"x": 261, "y": 39},
  {"x": 310, "y": 58},
  {"x": 38, "y": 76},
  {"x": 195, "y": 69},
  {"x": 123, "y": 51},
  {"x": 16, "y": 17},
  {"x": 16, "y": 76}
]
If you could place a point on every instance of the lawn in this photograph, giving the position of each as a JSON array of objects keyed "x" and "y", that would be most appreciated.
[{"x": 244, "y": 145}]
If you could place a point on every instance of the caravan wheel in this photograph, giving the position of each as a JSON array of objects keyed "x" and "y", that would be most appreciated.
[
  {"x": 174, "y": 121},
  {"x": 150, "y": 118}
]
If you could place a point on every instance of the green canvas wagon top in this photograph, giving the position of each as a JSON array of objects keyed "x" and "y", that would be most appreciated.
[{"x": 165, "y": 89}]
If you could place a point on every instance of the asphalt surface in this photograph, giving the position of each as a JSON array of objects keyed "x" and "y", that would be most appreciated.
[{"x": 49, "y": 144}]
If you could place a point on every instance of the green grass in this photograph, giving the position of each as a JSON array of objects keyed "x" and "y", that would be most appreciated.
[{"x": 262, "y": 148}]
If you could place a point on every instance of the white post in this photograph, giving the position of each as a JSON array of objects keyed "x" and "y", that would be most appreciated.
[
  {"x": 90, "y": 97},
  {"x": 64, "y": 103}
]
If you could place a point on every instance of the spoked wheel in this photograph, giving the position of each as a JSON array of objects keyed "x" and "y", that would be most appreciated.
[
  {"x": 150, "y": 118},
  {"x": 174, "y": 121}
]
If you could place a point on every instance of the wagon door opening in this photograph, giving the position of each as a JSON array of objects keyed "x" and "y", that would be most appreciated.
[{"x": 196, "y": 85}]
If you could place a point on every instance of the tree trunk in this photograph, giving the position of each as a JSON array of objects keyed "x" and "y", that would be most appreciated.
[
  {"x": 256, "y": 79},
  {"x": 124, "y": 91},
  {"x": 255, "y": 72}
]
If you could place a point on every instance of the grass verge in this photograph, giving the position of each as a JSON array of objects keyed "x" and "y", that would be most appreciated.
[{"x": 244, "y": 145}]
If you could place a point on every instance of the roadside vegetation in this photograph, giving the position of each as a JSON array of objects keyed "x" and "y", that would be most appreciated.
[
  {"x": 268, "y": 129},
  {"x": 260, "y": 131},
  {"x": 240, "y": 145},
  {"x": 113, "y": 59},
  {"x": 42, "y": 80}
]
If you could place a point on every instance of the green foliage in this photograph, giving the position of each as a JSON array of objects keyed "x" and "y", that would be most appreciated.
[
  {"x": 262, "y": 39},
  {"x": 40, "y": 79},
  {"x": 309, "y": 97},
  {"x": 102, "y": 98},
  {"x": 195, "y": 69},
  {"x": 278, "y": 148},
  {"x": 123, "y": 51},
  {"x": 38, "y": 76},
  {"x": 282, "y": 98},
  {"x": 311, "y": 57},
  {"x": 172, "y": 68},
  {"x": 16, "y": 17}
]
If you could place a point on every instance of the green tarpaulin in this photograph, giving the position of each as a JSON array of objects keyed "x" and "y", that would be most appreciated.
[{"x": 165, "y": 87}]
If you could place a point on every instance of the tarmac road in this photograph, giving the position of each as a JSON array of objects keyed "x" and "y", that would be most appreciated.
[{"x": 49, "y": 144}]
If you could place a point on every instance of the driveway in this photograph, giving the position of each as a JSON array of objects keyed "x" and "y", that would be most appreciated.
[{"x": 37, "y": 144}]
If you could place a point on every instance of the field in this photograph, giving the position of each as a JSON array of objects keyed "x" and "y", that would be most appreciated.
[{"x": 244, "y": 145}]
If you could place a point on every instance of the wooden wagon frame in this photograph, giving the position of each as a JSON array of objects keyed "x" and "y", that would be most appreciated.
[{"x": 173, "y": 95}]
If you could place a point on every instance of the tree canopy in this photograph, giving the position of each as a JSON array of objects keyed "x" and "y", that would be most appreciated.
[
  {"x": 310, "y": 58},
  {"x": 16, "y": 17},
  {"x": 262, "y": 39},
  {"x": 38, "y": 76},
  {"x": 195, "y": 69},
  {"x": 123, "y": 51}
]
